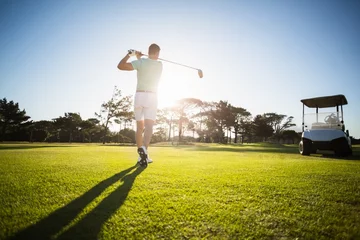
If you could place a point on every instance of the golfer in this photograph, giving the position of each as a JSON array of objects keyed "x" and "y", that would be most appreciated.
[{"x": 145, "y": 104}]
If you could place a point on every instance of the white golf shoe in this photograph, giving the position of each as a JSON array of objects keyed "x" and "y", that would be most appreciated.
[
  {"x": 149, "y": 160},
  {"x": 143, "y": 154}
]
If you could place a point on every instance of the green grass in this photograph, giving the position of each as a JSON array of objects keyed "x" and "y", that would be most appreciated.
[{"x": 59, "y": 191}]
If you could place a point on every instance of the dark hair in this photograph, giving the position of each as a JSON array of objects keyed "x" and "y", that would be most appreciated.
[{"x": 154, "y": 48}]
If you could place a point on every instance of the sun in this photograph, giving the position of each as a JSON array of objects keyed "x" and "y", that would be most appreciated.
[
  {"x": 176, "y": 83},
  {"x": 169, "y": 93}
]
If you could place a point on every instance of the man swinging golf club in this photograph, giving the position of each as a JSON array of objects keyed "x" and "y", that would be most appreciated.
[{"x": 145, "y": 104}]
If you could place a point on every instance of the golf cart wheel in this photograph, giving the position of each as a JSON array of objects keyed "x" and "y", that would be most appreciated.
[
  {"x": 305, "y": 147},
  {"x": 342, "y": 148},
  {"x": 342, "y": 153}
]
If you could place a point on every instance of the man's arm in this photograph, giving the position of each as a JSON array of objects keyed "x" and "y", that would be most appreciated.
[{"x": 124, "y": 65}]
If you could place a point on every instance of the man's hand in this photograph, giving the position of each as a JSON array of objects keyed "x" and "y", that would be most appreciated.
[
  {"x": 131, "y": 53},
  {"x": 138, "y": 54}
]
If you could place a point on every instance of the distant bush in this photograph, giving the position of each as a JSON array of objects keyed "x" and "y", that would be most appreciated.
[{"x": 355, "y": 141}]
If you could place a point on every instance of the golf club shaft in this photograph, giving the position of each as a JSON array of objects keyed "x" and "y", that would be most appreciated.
[{"x": 174, "y": 63}]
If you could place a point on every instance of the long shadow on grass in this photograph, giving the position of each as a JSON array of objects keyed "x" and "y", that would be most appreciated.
[
  {"x": 355, "y": 156},
  {"x": 268, "y": 149},
  {"x": 244, "y": 148},
  {"x": 89, "y": 226}
]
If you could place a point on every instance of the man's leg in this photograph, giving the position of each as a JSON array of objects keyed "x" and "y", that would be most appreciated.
[
  {"x": 139, "y": 133},
  {"x": 148, "y": 131},
  {"x": 150, "y": 117},
  {"x": 142, "y": 160}
]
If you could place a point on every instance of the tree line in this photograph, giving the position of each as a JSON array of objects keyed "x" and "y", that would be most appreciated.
[{"x": 190, "y": 119}]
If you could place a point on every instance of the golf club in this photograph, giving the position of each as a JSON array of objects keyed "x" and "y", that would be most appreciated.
[{"x": 200, "y": 73}]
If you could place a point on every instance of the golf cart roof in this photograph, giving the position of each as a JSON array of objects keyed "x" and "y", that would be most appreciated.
[{"x": 325, "y": 102}]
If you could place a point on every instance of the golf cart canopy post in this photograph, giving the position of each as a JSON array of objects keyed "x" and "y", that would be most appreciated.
[{"x": 325, "y": 102}]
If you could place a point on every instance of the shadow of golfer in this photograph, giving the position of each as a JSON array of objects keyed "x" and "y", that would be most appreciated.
[{"x": 90, "y": 226}]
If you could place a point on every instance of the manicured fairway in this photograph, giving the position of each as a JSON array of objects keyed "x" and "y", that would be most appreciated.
[{"x": 59, "y": 191}]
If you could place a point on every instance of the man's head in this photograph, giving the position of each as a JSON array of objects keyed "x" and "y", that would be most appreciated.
[{"x": 154, "y": 51}]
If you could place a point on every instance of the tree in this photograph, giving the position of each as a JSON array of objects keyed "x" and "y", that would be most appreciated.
[
  {"x": 262, "y": 127},
  {"x": 191, "y": 127},
  {"x": 10, "y": 116},
  {"x": 171, "y": 120},
  {"x": 69, "y": 125},
  {"x": 217, "y": 120},
  {"x": 238, "y": 119},
  {"x": 166, "y": 118},
  {"x": 116, "y": 107},
  {"x": 184, "y": 109},
  {"x": 124, "y": 117},
  {"x": 247, "y": 130},
  {"x": 228, "y": 118},
  {"x": 159, "y": 135},
  {"x": 127, "y": 135},
  {"x": 88, "y": 128},
  {"x": 203, "y": 120},
  {"x": 40, "y": 130},
  {"x": 290, "y": 135},
  {"x": 279, "y": 123}
]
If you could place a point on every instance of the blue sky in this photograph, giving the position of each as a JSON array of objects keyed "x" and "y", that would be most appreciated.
[{"x": 61, "y": 56}]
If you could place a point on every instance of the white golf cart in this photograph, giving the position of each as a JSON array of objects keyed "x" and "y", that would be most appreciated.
[{"x": 325, "y": 130}]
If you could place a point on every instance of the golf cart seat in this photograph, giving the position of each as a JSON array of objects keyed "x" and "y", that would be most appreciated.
[{"x": 321, "y": 125}]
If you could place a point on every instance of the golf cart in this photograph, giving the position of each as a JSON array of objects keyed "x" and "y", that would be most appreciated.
[{"x": 325, "y": 130}]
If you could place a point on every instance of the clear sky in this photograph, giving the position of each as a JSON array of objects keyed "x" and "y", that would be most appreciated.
[{"x": 265, "y": 56}]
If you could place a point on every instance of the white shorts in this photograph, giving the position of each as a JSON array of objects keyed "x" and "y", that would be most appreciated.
[{"x": 145, "y": 106}]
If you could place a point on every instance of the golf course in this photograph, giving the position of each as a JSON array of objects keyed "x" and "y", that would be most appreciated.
[{"x": 195, "y": 191}]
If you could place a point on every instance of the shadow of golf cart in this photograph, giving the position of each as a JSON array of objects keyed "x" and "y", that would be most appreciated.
[{"x": 325, "y": 129}]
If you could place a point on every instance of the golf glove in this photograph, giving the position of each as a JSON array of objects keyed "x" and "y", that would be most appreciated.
[{"x": 132, "y": 52}]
